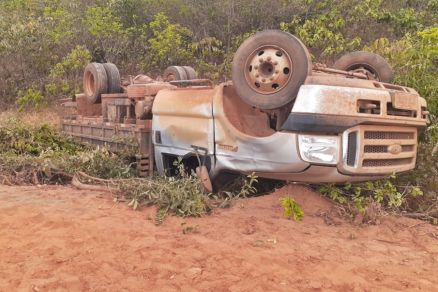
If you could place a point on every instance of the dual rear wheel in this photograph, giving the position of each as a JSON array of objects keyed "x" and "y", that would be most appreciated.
[
  {"x": 105, "y": 78},
  {"x": 100, "y": 79},
  {"x": 174, "y": 73}
]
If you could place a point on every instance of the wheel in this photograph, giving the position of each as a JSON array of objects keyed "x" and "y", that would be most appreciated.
[
  {"x": 113, "y": 75},
  {"x": 269, "y": 68},
  {"x": 190, "y": 72},
  {"x": 95, "y": 82},
  {"x": 174, "y": 73},
  {"x": 375, "y": 66}
]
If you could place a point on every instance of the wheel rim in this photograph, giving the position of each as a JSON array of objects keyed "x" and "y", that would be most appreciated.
[
  {"x": 90, "y": 86},
  {"x": 268, "y": 69},
  {"x": 369, "y": 71},
  {"x": 170, "y": 77}
]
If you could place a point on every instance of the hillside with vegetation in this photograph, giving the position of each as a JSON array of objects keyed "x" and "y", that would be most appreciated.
[{"x": 45, "y": 45}]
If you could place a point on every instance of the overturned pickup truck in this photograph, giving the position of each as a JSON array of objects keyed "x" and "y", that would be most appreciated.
[{"x": 281, "y": 117}]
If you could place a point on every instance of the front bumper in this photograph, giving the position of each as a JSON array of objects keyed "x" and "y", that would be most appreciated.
[
  {"x": 366, "y": 152},
  {"x": 334, "y": 109},
  {"x": 319, "y": 174}
]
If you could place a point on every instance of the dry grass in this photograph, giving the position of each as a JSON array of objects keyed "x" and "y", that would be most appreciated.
[{"x": 49, "y": 116}]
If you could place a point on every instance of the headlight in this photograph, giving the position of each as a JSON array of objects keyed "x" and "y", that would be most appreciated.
[{"x": 319, "y": 149}]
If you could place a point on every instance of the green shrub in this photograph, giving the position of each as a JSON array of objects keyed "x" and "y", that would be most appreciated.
[
  {"x": 42, "y": 152},
  {"x": 291, "y": 209},
  {"x": 398, "y": 195},
  {"x": 413, "y": 59},
  {"x": 65, "y": 77},
  {"x": 170, "y": 44},
  {"x": 23, "y": 139},
  {"x": 101, "y": 23},
  {"x": 30, "y": 98},
  {"x": 323, "y": 33}
]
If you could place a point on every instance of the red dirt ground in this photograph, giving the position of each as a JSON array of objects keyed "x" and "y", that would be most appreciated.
[{"x": 62, "y": 239}]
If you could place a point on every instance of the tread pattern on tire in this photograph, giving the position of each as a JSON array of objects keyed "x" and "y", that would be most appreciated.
[
  {"x": 190, "y": 72},
  {"x": 95, "y": 82},
  {"x": 113, "y": 75},
  {"x": 174, "y": 73}
]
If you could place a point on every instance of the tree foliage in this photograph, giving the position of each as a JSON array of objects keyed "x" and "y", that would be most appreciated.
[
  {"x": 145, "y": 36},
  {"x": 169, "y": 44}
]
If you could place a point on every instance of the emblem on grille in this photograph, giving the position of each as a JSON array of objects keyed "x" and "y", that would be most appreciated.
[{"x": 395, "y": 149}]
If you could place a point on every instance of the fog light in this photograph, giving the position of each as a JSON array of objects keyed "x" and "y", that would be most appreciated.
[{"x": 319, "y": 149}]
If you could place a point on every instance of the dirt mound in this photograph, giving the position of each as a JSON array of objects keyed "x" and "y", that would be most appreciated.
[{"x": 59, "y": 238}]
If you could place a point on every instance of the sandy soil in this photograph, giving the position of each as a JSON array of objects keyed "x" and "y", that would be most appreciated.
[{"x": 62, "y": 239}]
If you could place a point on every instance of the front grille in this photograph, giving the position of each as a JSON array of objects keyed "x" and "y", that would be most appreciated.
[
  {"x": 375, "y": 149},
  {"x": 388, "y": 135},
  {"x": 384, "y": 149},
  {"x": 385, "y": 162},
  {"x": 352, "y": 148},
  {"x": 379, "y": 149}
]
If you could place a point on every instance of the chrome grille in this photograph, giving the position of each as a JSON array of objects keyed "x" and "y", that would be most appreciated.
[{"x": 379, "y": 149}]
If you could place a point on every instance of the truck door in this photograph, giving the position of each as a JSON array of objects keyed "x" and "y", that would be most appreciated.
[{"x": 182, "y": 119}]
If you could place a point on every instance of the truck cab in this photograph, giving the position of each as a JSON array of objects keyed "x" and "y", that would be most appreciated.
[{"x": 338, "y": 129}]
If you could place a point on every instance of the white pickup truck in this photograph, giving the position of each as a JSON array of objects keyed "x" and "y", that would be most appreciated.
[{"x": 280, "y": 117}]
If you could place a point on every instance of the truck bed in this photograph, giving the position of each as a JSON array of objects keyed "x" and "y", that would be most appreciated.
[{"x": 116, "y": 137}]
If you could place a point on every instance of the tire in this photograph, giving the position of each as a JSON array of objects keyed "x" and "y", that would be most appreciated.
[
  {"x": 190, "y": 72},
  {"x": 269, "y": 68},
  {"x": 95, "y": 82},
  {"x": 174, "y": 73},
  {"x": 113, "y": 75},
  {"x": 372, "y": 63}
]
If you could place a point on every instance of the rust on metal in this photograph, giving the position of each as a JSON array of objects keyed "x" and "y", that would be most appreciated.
[
  {"x": 85, "y": 108},
  {"x": 323, "y": 68},
  {"x": 374, "y": 125},
  {"x": 379, "y": 149},
  {"x": 194, "y": 83},
  {"x": 268, "y": 69}
]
